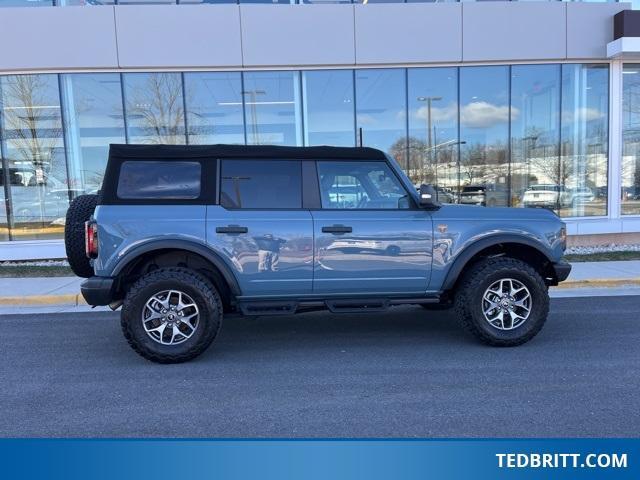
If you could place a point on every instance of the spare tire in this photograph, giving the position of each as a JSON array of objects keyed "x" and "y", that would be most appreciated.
[{"x": 80, "y": 210}]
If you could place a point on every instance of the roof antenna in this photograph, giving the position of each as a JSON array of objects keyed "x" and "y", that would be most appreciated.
[{"x": 360, "y": 136}]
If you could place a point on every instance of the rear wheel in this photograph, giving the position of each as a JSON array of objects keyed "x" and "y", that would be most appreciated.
[
  {"x": 171, "y": 315},
  {"x": 502, "y": 301},
  {"x": 80, "y": 210}
]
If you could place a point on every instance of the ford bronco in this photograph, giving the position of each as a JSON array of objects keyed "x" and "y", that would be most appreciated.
[{"x": 180, "y": 236}]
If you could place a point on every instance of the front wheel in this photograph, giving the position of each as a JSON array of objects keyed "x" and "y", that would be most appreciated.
[
  {"x": 502, "y": 301},
  {"x": 171, "y": 315}
]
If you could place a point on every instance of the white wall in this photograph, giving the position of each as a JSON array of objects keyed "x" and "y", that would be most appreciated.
[{"x": 288, "y": 36}]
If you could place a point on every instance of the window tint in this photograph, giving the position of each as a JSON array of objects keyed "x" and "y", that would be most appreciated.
[
  {"x": 261, "y": 184},
  {"x": 171, "y": 180},
  {"x": 360, "y": 185}
]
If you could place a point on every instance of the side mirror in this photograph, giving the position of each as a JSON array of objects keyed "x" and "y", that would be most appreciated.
[{"x": 428, "y": 198}]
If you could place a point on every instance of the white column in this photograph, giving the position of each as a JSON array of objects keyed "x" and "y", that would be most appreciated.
[{"x": 615, "y": 137}]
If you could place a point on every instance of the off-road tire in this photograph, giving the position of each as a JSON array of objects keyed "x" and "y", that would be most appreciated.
[
  {"x": 468, "y": 301},
  {"x": 193, "y": 284},
  {"x": 80, "y": 210}
]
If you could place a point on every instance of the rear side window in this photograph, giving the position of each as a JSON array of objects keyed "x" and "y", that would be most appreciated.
[
  {"x": 261, "y": 184},
  {"x": 164, "y": 180}
]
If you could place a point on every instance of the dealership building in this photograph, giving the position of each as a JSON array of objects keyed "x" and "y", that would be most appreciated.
[{"x": 497, "y": 103}]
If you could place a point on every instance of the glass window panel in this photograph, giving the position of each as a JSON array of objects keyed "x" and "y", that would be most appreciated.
[
  {"x": 214, "y": 107},
  {"x": 154, "y": 108},
  {"x": 146, "y": 2},
  {"x": 34, "y": 155},
  {"x": 261, "y": 184},
  {"x": 93, "y": 119},
  {"x": 535, "y": 136},
  {"x": 328, "y": 107},
  {"x": 26, "y": 3},
  {"x": 484, "y": 129},
  {"x": 379, "y": 1},
  {"x": 433, "y": 130},
  {"x": 4, "y": 219},
  {"x": 189, "y": 2},
  {"x": 269, "y": 1},
  {"x": 272, "y": 108},
  {"x": 82, "y": 3},
  {"x": 585, "y": 138},
  {"x": 174, "y": 180},
  {"x": 382, "y": 111},
  {"x": 631, "y": 140},
  {"x": 360, "y": 185}
]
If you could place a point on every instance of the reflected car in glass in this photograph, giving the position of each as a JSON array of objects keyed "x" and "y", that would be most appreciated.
[
  {"x": 547, "y": 196},
  {"x": 487, "y": 195}
]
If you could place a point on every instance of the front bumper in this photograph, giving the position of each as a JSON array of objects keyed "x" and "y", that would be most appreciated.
[
  {"x": 98, "y": 290},
  {"x": 562, "y": 269}
]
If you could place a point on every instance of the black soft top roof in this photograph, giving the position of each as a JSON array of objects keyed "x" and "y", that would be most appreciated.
[{"x": 242, "y": 151}]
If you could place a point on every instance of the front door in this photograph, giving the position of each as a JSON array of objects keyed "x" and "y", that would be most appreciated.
[
  {"x": 261, "y": 228},
  {"x": 368, "y": 236}
]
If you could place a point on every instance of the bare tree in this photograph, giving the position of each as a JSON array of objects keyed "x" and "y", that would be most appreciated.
[
  {"x": 160, "y": 105},
  {"x": 33, "y": 122}
]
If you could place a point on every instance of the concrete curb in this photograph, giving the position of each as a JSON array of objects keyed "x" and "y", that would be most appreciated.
[
  {"x": 73, "y": 300},
  {"x": 76, "y": 299},
  {"x": 600, "y": 282}
]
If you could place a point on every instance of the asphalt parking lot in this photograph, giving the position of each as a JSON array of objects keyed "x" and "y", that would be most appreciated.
[{"x": 407, "y": 373}]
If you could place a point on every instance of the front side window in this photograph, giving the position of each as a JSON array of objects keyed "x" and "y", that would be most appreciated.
[
  {"x": 168, "y": 180},
  {"x": 261, "y": 184},
  {"x": 360, "y": 185}
]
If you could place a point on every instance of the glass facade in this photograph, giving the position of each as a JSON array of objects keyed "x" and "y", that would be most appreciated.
[
  {"x": 272, "y": 108},
  {"x": 328, "y": 107},
  {"x": 381, "y": 111},
  {"x": 520, "y": 135},
  {"x": 630, "y": 182},
  {"x": 484, "y": 129},
  {"x": 214, "y": 107}
]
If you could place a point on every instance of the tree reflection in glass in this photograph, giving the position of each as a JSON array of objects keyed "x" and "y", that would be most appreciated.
[
  {"x": 155, "y": 108},
  {"x": 35, "y": 157}
]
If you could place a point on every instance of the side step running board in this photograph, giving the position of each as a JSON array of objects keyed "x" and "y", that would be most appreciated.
[
  {"x": 342, "y": 305},
  {"x": 357, "y": 305},
  {"x": 268, "y": 308}
]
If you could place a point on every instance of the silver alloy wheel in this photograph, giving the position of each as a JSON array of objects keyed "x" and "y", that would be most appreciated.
[
  {"x": 506, "y": 304},
  {"x": 170, "y": 317}
]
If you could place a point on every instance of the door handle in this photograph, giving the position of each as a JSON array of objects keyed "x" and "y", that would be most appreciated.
[
  {"x": 232, "y": 229},
  {"x": 337, "y": 229}
]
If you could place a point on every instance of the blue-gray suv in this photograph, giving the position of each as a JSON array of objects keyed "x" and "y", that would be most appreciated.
[{"x": 180, "y": 236}]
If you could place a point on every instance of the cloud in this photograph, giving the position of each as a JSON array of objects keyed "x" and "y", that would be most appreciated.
[
  {"x": 582, "y": 114},
  {"x": 439, "y": 114},
  {"x": 485, "y": 114},
  {"x": 472, "y": 115}
]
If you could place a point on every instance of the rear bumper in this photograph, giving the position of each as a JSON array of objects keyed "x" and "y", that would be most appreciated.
[
  {"x": 98, "y": 290},
  {"x": 562, "y": 269}
]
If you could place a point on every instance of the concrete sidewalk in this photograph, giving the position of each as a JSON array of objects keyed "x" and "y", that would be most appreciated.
[{"x": 65, "y": 291}]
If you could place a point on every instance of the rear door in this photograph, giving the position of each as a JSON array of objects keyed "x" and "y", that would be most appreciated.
[
  {"x": 261, "y": 228},
  {"x": 369, "y": 237}
]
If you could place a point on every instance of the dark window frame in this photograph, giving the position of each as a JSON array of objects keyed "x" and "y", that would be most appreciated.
[
  {"x": 301, "y": 162},
  {"x": 159, "y": 165},
  {"x": 410, "y": 198},
  {"x": 208, "y": 182}
]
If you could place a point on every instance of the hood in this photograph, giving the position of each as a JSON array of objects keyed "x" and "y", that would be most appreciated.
[{"x": 496, "y": 213}]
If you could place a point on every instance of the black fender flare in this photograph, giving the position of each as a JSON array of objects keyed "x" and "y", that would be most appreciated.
[
  {"x": 476, "y": 247},
  {"x": 177, "y": 244}
]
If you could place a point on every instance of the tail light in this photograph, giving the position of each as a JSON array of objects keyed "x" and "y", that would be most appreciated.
[{"x": 91, "y": 239}]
